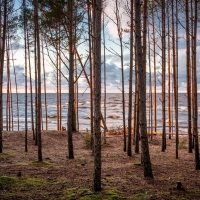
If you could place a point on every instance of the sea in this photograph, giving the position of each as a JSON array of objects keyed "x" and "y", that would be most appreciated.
[{"x": 15, "y": 116}]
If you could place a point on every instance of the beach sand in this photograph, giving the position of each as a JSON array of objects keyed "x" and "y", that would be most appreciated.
[{"x": 73, "y": 179}]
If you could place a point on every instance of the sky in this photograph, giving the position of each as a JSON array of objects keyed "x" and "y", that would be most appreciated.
[{"x": 113, "y": 65}]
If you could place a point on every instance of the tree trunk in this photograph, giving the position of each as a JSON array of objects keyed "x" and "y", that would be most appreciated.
[
  {"x": 31, "y": 88},
  {"x": 195, "y": 118},
  {"x": 45, "y": 89},
  {"x": 129, "y": 149},
  {"x": 176, "y": 83},
  {"x": 141, "y": 56},
  {"x": 174, "y": 65},
  {"x": 169, "y": 73},
  {"x": 163, "y": 78},
  {"x": 150, "y": 92},
  {"x": 119, "y": 31},
  {"x": 104, "y": 49},
  {"x": 137, "y": 111},
  {"x": 97, "y": 98},
  {"x": 188, "y": 78},
  {"x": 71, "y": 82},
  {"x": 2, "y": 53},
  {"x": 91, "y": 73},
  {"x": 192, "y": 71},
  {"x": 154, "y": 61},
  {"x": 39, "y": 138},
  {"x": 26, "y": 99}
]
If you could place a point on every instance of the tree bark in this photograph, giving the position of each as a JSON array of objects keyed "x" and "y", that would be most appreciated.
[
  {"x": 26, "y": 97},
  {"x": 195, "y": 118},
  {"x": 2, "y": 53},
  {"x": 119, "y": 31},
  {"x": 39, "y": 138},
  {"x": 129, "y": 149},
  {"x": 154, "y": 61},
  {"x": 141, "y": 56},
  {"x": 71, "y": 82},
  {"x": 97, "y": 98},
  {"x": 163, "y": 78},
  {"x": 176, "y": 83},
  {"x": 188, "y": 78},
  {"x": 169, "y": 72}
]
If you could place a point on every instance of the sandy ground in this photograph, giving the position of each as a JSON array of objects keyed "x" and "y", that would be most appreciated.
[{"x": 119, "y": 172}]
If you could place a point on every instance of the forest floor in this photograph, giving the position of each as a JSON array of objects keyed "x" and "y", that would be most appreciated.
[{"x": 57, "y": 177}]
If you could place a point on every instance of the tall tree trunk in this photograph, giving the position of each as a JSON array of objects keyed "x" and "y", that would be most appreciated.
[
  {"x": 31, "y": 87},
  {"x": 57, "y": 86},
  {"x": 150, "y": 91},
  {"x": 16, "y": 88},
  {"x": 97, "y": 98},
  {"x": 169, "y": 72},
  {"x": 129, "y": 149},
  {"x": 39, "y": 82},
  {"x": 137, "y": 111},
  {"x": 195, "y": 118},
  {"x": 2, "y": 53},
  {"x": 154, "y": 61},
  {"x": 192, "y": 71},
  {"x": 188, "y": 77},
  {"x": 71, "y": 82},
  {"x": 163, "y": 78},
  {"x": 141, "y": 56},
  {"x": 174, "y": 64},
  {"x": 176, "y": 83},
  {"x": 36, "y": 80},
  {"x": 119, "y": 31},
  {"x": 91, "y": 72},
  {"x": 104, "y": 62},
  {"x": 8, "y": 87},
  {"x": 26, "y": 99},
  {"x": 45, "y": 88}
]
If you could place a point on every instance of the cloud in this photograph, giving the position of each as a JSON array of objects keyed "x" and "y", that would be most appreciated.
[{"x": 111, "y": 17}]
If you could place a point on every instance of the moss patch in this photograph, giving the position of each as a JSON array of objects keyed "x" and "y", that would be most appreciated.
[
  {"x": 7, "y": 182},
  {"x": 35, "y": 182},
  {"x": 6, "y": 154},
  {"x": 41, "y": 164},
  {"x": 22, "y": 164},
  {"x": 87, "y": 140},
  {"x": 183, "y": 144},
  {"x": 137, "y": 164},
  {"x": 86, "y": 194}
]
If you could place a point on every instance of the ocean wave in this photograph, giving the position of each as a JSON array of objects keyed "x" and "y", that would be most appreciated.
[
  {"x": 113, "y": 117},
  {"x": 87, "y": 117},
  {"x": 182, "y": 108},
  {"x": 52, "y": 116}
]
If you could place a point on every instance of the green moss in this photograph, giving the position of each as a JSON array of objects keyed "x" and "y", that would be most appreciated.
[
  {"x": 6, "y": 154},
  {"x": 72, "y": 196},
  {"x": 12, "y": 183},
  {"x": 137, "y": 164},
  {"x": 86, "y": 194},
  {"x": 139, "y": 196},
  {"x": 87, "y": 140},
  {"x": 183, "y": 144},
  {"x": 36, "y": 182},
  {"x": 41, "y": 164},
  {"x": 7, "y": 182},
  {"x": 22, "y": 164},
  {"x": 9, "y": 195}
]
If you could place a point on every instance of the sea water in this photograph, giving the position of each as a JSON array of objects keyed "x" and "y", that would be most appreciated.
[{"x": 113, "y": 111}]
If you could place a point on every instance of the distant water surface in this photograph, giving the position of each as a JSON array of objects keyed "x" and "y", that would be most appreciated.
[{"x": 113, "y": 111}]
